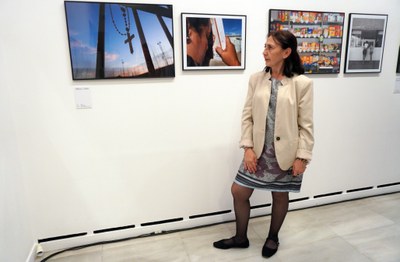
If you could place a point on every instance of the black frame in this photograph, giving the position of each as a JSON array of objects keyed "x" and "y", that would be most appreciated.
[
  {"x": 109, "y": 40},
  {"x": 398, "y": 62},
  {"x": 365, "y": 43},
  {"x": 214, "y": 62},
  {"x": 319, "y": 37}
]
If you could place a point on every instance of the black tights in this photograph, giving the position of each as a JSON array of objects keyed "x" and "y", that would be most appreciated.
[{"x": 280, "y": 205}]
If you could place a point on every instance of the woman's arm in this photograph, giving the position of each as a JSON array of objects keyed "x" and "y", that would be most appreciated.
[
  {"x": 247, "y": 118},
  {"x": 305, "y": 121}
]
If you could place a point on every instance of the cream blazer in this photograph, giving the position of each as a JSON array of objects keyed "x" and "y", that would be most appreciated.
[{"x": 293, "y": 134}]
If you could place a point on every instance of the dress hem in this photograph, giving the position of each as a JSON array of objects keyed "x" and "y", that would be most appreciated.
[{"x": 268, "y": 188}]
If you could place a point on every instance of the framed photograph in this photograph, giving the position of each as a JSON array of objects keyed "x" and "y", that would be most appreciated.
[
  {"x": 213, "y": 42},
  {"x": 319, "y": 37},
  {"x": 398, "y": 62},
  {"x": 120, "y": 40},
  {"x": 365, "y": 43}
]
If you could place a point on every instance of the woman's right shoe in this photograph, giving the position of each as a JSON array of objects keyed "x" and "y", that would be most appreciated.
[
  {"x": 268, "y": 251},
  {"x": 231, "y": 243}
]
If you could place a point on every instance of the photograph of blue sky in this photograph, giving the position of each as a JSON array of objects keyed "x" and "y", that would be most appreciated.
[
  {"x": 232, "y": 27},
  {"x": 83, "y": 27}
]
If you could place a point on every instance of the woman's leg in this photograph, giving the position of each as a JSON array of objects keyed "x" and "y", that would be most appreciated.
[
  {"x": 280, "y": 205},
  {"x": 241, "y": 201}
]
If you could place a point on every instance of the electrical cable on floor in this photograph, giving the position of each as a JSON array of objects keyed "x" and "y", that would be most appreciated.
[
  {"x": 174, "y": 231},
  {"x": 97, "y": 243},
  {"x": 124, "y": 239}
]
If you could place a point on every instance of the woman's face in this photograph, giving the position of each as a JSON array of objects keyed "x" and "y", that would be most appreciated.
[
  {"x": 199, "y": 42},
  {"x": 274, "y": 54}
]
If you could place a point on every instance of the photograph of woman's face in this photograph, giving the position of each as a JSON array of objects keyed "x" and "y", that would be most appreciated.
[
  {"x": 199, "y": 42},
  {"x": 213, "y": 42}
]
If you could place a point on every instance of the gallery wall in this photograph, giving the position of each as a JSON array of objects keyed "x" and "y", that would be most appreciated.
[{"x": 167, "y": 149}]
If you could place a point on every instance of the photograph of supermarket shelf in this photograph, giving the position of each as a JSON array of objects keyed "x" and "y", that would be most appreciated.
[
  {"x": 365, "y": 43},
  {"x": 213, "y": 42},
  {"x": 319, "y": 37},
  {"x": 120, "y": 40}
]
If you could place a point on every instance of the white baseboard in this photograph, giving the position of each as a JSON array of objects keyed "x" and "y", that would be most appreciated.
[
  {"x": 188, "y": 223},
  {"x": 32, "y": 254}
]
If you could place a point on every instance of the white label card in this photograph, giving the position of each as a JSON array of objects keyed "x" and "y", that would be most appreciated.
[{"x": 83, "y": 99}]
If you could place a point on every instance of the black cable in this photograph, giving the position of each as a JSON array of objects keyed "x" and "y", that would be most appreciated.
[
  {"x": 95, "y": 244},
  {"x": 179, "y": 230},
  {"x": 128, "y": 238}
]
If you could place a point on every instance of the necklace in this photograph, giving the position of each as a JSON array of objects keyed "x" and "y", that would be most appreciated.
[{"x": 127, "y": 22}]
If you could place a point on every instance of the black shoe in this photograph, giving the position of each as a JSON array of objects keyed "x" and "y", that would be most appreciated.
[
  {"x": 231, "y": 243},
  {"x": 267, "y": 251}
]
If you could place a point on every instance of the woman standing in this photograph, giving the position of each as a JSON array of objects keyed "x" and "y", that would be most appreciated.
[{"x": 277, "y": 138}]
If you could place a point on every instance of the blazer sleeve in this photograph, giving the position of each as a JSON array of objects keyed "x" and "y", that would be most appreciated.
[
  {"x": 247, "y": 117},
  {"x": 305, "y": 119}
]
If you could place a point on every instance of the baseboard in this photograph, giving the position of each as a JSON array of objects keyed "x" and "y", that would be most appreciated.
[
  {"x": 178, "y": 224},
  {"x": 32, "y": 254},
  {"x": 137, "y": 232}
]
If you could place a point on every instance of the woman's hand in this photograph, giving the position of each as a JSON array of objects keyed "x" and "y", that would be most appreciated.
[
  {"x": 250, "y": 160},
  {"x": 299, "y": 166},
  {"x": 228, "y": 55}
]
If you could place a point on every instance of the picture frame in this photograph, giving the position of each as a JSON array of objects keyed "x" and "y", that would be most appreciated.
[
  {"x": 365, "y": 43},
  {"x": 319, "y": 37},
  {"x": 111, "y": 40},
  {"x": 213, "y": 42},
  {"x": 398, "y": 62}
]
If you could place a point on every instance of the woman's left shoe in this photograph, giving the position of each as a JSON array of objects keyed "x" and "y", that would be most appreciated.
[
  {"x": 267, "y": 251},
  {"x": 231, "y": 243}
]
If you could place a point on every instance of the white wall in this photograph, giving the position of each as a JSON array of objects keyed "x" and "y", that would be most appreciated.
[
  {"x": 155, "y": 149},
  {"x": 16, "y": 237}
]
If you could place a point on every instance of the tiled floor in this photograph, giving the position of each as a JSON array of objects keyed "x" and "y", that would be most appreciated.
[{"x": 361, "y": 230}]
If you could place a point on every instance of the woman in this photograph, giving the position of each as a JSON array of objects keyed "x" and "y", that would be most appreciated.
[
  {"x": 277, "y": 137},
  {"x": 200, "y": 41},
  {"x": 371, "y": 50},
  {"x": 365, "y": 50}
]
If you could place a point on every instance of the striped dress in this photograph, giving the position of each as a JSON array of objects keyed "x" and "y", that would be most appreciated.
[{"x": 269, "y": 176}]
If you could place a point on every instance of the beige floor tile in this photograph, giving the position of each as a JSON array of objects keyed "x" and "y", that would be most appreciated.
[
  {"x": 348, "y": 217},
  {"x": 90, "y": 254},
  {"x": 140, "y": 240},
  {"x": 200, "y": 246},
  {"x": 386, "y": 205},
  {"x": 257, "y": 258},
  {"x": 327, "y": 250},
  {"x": 356, "y": 222},
  {"x": 165, "y": 248},
  {"x": 379, "y": 244},
  {"x": 260, "y": 226}
]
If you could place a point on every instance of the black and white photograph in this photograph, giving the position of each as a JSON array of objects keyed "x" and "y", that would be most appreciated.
[
  {"x": 398, "y": 62},
  {"x": 212, "y": 42},
  {"x": 365, "y": 43}
]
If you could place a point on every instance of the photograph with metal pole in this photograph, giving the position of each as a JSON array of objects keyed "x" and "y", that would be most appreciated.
[{"x": 120, "y": 40}]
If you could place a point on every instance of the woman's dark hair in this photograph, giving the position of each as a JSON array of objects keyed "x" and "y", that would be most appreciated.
[
  {"x": 197, "y": 23},
  {"x": 292, "y": 64}
]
